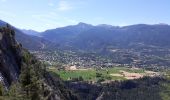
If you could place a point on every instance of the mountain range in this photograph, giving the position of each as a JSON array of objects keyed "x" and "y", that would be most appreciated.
[
  {"x": 92, "y": 38},
  {"x": 30, "y": 32},
  {"x": 88, "y": 37},
  {"x": 23, "y": 77},
  {"x": 30, "y": 42}
]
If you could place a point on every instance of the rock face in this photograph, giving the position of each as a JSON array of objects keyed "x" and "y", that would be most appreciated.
[
  {"x": 10, "y": 57},
  {"x": 11, "y": 68}
]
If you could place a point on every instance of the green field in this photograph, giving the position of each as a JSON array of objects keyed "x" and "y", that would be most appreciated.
[{"x": 93, "y": 74}]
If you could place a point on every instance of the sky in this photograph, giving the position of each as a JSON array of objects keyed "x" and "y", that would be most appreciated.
[{"x": 41, "y": 15}]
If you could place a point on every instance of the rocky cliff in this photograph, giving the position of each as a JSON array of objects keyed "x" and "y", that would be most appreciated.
[
  {"x": 17, "y": 65},
  {"x": 10, "y": 56}
]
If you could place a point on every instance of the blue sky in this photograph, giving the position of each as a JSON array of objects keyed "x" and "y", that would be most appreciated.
[{"x": 40, "y": 15}]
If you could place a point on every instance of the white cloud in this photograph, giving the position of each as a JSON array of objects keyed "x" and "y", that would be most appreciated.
[{"x": 64, "y": 6}]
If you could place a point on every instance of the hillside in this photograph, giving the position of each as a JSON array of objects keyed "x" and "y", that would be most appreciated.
[
  {"x": 29, "y": 41},
  {"x": 22, "y": 77},
  {"x": 88, "y": 37},
  {"x": 98, "y": 38},
  {"x": 31, "y": 32},
  {"x": 139, "y": 45}
]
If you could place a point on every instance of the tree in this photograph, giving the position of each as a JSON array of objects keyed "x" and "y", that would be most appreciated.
[
  {"x": 98, "y": 74},
  {"x": 25, "y": 78},
  {"x": 80, "y": 78},
  {"x": 1, "y": 90}
]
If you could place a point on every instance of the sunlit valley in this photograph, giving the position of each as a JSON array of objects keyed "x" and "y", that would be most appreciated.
[{"x": 82, "y": 59}]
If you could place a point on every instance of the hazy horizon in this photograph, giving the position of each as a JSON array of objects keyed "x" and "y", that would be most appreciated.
[{"x": 50, "y": 14}]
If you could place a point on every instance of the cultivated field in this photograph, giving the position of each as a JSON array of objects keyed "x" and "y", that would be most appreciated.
[{"x": 106, "y": 74}]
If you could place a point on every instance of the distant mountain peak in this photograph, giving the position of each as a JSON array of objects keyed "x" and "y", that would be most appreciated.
[
  {"x": 105, "y": 25},
  {"x": 30, "y": 32},
  {"x": 83, "y": 24},
  {"x": 163, "y": 24}
]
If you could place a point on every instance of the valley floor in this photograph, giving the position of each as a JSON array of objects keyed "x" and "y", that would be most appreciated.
[{"x": 102, "y": 75}]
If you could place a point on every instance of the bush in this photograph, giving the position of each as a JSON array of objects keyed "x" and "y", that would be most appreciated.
[
  {"x": 98, "y": 74},
  {"x": 100, "y": 80}
]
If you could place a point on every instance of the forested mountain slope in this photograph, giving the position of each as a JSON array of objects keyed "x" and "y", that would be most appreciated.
[{"x": 22, "y": 77}]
